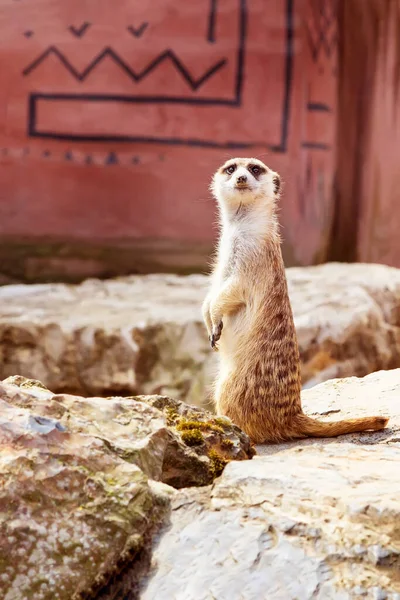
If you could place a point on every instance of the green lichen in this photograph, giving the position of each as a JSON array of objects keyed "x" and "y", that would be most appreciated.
[
  {"x": 192, "y": 437},
  {"x": 227, "y": 443},
  {"x": 224, "y": 423},
  {"x": 218, "y": 463},
  {"x": 171, "y": 416},
  {"x": 185, "y": 424}
]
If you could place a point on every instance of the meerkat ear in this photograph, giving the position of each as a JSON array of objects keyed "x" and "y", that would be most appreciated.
[{"x": 277, "y": 183}]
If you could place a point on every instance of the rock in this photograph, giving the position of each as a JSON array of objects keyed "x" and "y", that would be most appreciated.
[
  {"x": 213, "y": 441},
  {"x": 73, "y": 514},
  {"x": 168, "y": 440},
  {"x": 77, "y": 514},
  {"x": 134, "y": 335},
  {"x": 144, "y": 334},
  {"x": 347, "y": 318},
  {"x": 352, "y": 397},
  {"x": 309, "y": 520}
]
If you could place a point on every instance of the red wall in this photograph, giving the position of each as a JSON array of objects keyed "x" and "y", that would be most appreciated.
[{"x": 113, "y": 117}]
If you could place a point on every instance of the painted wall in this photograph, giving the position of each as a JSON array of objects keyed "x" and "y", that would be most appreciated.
[{"x": 113, "y": 117}]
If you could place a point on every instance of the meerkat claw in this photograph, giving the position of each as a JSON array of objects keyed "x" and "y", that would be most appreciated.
[
  {"x": 213, "y": 343},
  {"x": 214, "y": 338}
]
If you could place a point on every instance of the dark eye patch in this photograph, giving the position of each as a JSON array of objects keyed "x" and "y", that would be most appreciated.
[
  {"x": 256, "y": 170},
  {"x": 230, "y": 169}
]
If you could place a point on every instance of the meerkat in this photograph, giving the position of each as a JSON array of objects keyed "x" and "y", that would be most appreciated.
[{"x": 249, "y": 318}]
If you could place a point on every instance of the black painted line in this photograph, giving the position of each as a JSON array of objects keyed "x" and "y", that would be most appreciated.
[
  {"x": 212, "y": 21},
  {"x": 139, "y": 31},
  {"x": 318, "y": 107},
  {"x": 135, "y": 99},
  {"x": 288, "y": 74},
  {"x": 167, "y": 55},
  {"x": 315, "y": 146},
  {"x": 147, "y": 140},
  {"x": 79, "y": 31},
  {"x": 241, "y": 51},
  {"x": 31, "y": 115}
]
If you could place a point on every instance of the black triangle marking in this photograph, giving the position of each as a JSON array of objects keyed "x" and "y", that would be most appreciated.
[
  {"x": 112, "y": 159},
  {"x": 79, "y": 31},
  {"x": 28, "y": 34},
  {"x": 139, "y": 31}
]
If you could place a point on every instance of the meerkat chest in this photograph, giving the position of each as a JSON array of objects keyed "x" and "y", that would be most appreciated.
[
  {"x": 238, "y": 243},
  {"x": 229, "y": 252}
]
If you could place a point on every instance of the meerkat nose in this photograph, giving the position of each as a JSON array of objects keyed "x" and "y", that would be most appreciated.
[{"x": 242, "y": 179}]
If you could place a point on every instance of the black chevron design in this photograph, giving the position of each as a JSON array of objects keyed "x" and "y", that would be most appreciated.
[
  {"x": 139, "y": 31},
  {"x": 164, "y": 56},
  {"x": 79, "y": 31}
]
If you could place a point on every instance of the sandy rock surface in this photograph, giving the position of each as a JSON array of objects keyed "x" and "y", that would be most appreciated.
[{"x": 311, "y": 520}]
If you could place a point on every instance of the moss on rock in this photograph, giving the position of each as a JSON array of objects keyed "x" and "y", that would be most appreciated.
[{"x": 192, "y": 437}]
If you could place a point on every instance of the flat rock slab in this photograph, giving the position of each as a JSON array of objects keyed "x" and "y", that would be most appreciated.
[
  {"x": 352, "y": 397},
  {"x": 311, "y": 520},
  {"x": 144, "y": 334}
]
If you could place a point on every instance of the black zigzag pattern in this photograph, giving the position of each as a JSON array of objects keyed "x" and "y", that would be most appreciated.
[{"x": 167, "y": 55}]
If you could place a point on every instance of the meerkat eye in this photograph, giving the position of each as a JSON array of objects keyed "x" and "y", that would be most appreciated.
[
  {"x": 255, "y": 170},
  {"x": 230, "y": 169}
]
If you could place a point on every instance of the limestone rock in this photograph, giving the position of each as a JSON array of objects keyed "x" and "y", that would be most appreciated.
[
  {"x": 375, "y": 394},
  {"x": 347, "y": 318},
  {"x": 214, "y": 442},
  {"x": 309, "y": 520},
  {"x": 144, "y": 334},
  {"x": 168, "y": 440},
  {"x": 134, "y": 335},
  {"x": 73, "y": 514}
]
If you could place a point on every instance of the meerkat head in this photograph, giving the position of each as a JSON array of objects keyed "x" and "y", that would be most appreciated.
[{"x": 242, "y": 182}]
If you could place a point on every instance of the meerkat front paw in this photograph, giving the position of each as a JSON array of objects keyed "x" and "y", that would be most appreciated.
[
  {"x": 207, "y": 316},
  {"x": 216, "y": 334}
]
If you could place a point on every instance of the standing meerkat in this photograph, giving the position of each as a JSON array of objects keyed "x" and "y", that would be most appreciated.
[{"x": 249, "y": 318}]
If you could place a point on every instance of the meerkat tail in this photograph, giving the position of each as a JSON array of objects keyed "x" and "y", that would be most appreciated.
[{"x": 313, "y": 428}]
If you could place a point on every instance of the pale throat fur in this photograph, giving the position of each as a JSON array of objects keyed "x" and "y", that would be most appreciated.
[{"x": 248, "y": 315}]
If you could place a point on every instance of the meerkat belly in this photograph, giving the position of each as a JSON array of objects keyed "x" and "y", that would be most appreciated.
[{"x": 235, "y": 332}]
